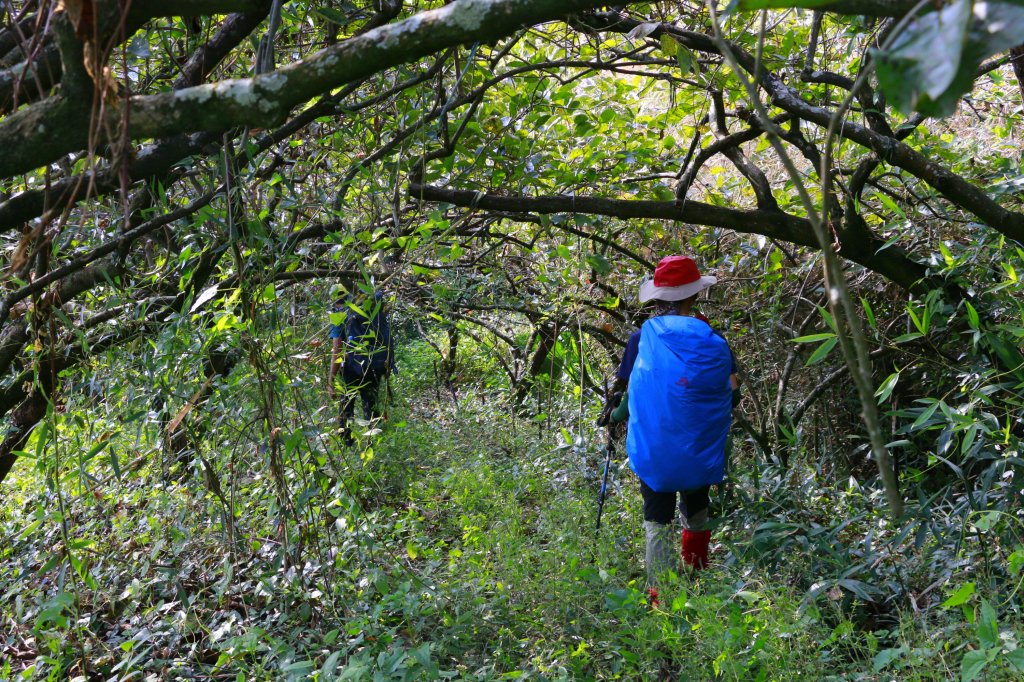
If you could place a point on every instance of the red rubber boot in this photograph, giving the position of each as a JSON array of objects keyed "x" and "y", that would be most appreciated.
[{"x": 695, "y": 548}]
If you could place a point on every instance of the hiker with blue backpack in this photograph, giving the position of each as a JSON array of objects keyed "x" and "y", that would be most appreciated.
[
  {"x": 682, "y": 384},
  {"x": 362, "y": 349}
]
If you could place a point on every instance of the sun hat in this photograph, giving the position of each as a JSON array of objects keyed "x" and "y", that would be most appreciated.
[{"x": 676, "y": 278}]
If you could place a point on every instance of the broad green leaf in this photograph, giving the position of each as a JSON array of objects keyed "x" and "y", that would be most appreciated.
[
  {"x": 115, "y": 463},
  {"x": 926, "y": 415},
  {"x": 968, "y": 440},
  {"x": 892, "y": 205},
  {"x": 934, "y": 61},
  {"x": 332, "y": 15},
  {"x": 857, "y": 587},
  {"x": 827, "y": 317},
  {"x": 50, "y": 563},
  {"x": 663, "y": 193},
  {"x": 973, "y": 663},
  {"x": 903, "y": 338},
  {"x": 225, "y": 322},
  {"x": 42, "y": 435},
  {"x": 684, "y": 58},
  {"x": 886, "y": 656},
  {"x": 668, "y": 45},
  {"x": 919, "y": 322},
  {"x": 83, "y": 571},
  {"x": 960, "y": 596},
  {"x": 1015, "y": 658},
  {"x": 298, "y": 667},
  {"x": 947, "y": 257},
  {"x": 95, "y": 449},
  {"x": 29, "y": 529},
  {"x": 52, "y": 612},
  {"x": 599, "y": 264},
  {"x": 1016, "y": 561},
  {"x": 923, "y": 60},
  {"x": 1009, "y": 355},
  {"x": 749, "y": 596}
]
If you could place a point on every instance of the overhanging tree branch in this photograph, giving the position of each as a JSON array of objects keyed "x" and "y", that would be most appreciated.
[
  {"x": 891, "y": 150},
  {"x": 891, "y": 262},
  {"x": 44, "y": 132},
  {"x": 151, "y": 163},
  {"x": 30, "y": 80}
]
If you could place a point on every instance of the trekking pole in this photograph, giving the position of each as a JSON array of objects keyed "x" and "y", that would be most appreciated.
[
  {"x": 610, "y": 450},
  {"x": 605, "y": 420}
]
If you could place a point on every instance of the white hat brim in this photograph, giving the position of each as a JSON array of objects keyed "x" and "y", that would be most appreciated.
[{"x": 649, "y": 292}]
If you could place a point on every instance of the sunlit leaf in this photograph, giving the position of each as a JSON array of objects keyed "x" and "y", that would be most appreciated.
[
  {"x": 812, "y": 338},
  {"x": 643, "y": 30},
  {"x": 203, "y": 297},
  {"x": 963, "y": 593},
  {"x": 934, "y": 62},
  {"x": 886, "y": 387}
]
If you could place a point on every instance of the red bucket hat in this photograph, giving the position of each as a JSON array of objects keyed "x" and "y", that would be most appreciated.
[{"x": 675, "y": 279}]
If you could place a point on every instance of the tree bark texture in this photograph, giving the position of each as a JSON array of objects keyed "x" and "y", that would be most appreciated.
[{"x": 44, "y": 132}]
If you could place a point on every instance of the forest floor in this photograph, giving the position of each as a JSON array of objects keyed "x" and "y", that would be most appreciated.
[{"x": 457, "y": 542}]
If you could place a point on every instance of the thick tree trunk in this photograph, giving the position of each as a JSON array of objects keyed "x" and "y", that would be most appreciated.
[
  {"x": 25, "y": 417},
  {"x": 546, "y": 335},
  {"x": 1017, "y": 59}
]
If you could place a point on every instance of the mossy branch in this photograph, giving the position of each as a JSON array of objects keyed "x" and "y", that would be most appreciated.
[{"x": 44, "y": 132}]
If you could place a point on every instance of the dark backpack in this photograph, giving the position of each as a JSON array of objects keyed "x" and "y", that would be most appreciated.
[{"x": 368, "y": 341}]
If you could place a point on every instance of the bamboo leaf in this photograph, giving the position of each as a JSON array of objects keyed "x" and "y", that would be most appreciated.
[
  {"x": 821, "y": 352},
  {"x": 885, "y": 389},
  {"x": 813, "y": 338}
]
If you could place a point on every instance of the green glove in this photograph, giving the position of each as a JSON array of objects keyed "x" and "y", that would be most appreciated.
[{"x": 621, "y": 413}]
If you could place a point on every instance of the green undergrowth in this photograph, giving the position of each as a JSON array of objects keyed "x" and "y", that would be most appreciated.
[{"x": 458, "y": 542}]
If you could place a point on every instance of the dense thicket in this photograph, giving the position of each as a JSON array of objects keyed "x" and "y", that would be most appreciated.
[{"x": 181, "y": 183}]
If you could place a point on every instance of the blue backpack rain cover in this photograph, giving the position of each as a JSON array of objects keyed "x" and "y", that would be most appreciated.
[{"x": 680, "y": 404}]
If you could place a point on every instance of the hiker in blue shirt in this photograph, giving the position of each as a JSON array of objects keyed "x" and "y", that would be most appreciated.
[
  {"x": 682, "y": 385},
  {"x": 362, "y": 349}
]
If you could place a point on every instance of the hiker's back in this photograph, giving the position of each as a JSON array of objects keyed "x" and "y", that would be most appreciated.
[
  {"x": 368, "y": 340},
  {"x": 680, "y": 404}
]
